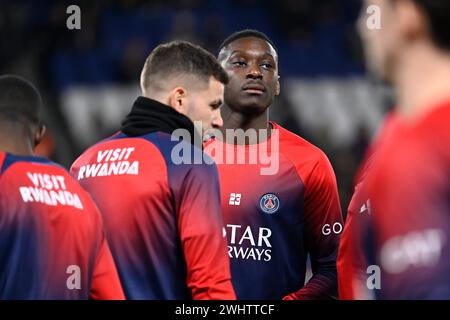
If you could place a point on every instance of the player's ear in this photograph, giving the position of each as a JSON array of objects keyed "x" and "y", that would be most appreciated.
[
  {"x": 278, "y": 87},
  {"x": 39, "y": 134},
  {"x": 178, "y": 100},
  {"x": 412, "y": 20}
]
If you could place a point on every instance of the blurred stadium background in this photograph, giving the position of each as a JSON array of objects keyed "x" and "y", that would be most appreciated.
[{"x": 89, "y": 77}]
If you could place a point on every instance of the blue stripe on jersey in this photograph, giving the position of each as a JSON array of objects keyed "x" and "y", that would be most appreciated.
[{"x": 11, "y": 159}]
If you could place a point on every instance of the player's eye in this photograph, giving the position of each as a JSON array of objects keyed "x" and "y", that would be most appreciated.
[
  {"x": 267, "y": 65},
  {"x": 239, "y": 63},
  {"x": 215, "y": 105}
]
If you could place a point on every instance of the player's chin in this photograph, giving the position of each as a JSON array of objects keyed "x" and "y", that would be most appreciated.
[
  {"x": 253, "y": 109},
  {"x": 254, "y": 103}
]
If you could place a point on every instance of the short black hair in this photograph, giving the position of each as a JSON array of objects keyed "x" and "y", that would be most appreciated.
[
  {"x": 181, "y": 57},
  {"x": 20, "y": 100},
  {"x": 246, "y": 34},
  {"x": 438, "y": 14}
]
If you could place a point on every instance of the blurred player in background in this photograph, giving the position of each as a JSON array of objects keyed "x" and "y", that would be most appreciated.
[
  {"x": 163, "y": 218},
  {"x": 409, "y": 187},
  {"x": 352, "y": 263},
  {"x": 274, "y": 217},
  {"x": 52, "y": 244}
]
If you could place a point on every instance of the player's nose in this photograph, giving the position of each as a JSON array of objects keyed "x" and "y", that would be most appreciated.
[
  {"x": 217, "y": 120},
  {"x": 254, "y": 72}
]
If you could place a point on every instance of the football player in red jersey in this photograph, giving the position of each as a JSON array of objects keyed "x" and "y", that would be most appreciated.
[
  {"x": 162, "y": 215},
  {"x": 52, "y": 243},
  {"x": 275, "y": 216},
  {"x": 409, "y": 187}
]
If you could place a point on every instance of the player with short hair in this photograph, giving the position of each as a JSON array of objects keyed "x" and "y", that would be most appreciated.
[
  {"x": 162, "y": 214},
  {"x": 52, "y": 243},
  {"x": 409, "y": 185},
  {"x": 275, "y": 218}
]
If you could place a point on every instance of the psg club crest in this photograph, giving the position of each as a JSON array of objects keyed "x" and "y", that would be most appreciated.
[{"x": 269, "y": 203}]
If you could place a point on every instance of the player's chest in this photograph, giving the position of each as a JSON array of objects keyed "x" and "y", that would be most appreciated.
[{"x": 245, "y": 190}]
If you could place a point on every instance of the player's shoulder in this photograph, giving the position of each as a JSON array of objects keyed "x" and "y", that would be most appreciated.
[
  {"x": 184, "y": 155},
  {"x": 113, "y": 143},
  {"x": 296, "y": 148},
  {"x": 90, "y": 151},
  {"x": 42, "y": 173},
  {"x": 406, "y": 154},
  {"x": 186, "y": 162},
  {"x": 433, "y": 129},
  {"x": 181, "y": 157},
  {"x": 423, "y": 138},
  {"x": 21, "y": 168},
  {"x": 10, "y": 162}
]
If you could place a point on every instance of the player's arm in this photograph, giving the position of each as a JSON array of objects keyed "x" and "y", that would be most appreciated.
[
  {"x": 351, "y": 262},
  {"x": 201, "y": 230},
  {"x": 105, "y": 280},
  {"x": 323, "y": 223},
  {"x": 345, "y": 262}
]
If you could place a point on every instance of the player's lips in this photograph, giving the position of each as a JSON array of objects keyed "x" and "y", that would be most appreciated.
[{"x": 254, "y": 88}]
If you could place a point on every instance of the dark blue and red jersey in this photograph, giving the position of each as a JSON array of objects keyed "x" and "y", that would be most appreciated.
[
  {"x": 280, "y": 204},
  {"x": 410, "y": 221},
  {"x": 52, "y": 243},
  {"x": 162, "y": 216},
  {"x": 351, "y": 263}
]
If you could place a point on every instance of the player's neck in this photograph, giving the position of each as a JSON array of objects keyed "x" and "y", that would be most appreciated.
[
  {"x": 14, "y": 146},
  {"x": 15, "y": 149},
  {"x": 235, "y": 120},
  {"x": 422, "y": 85}
]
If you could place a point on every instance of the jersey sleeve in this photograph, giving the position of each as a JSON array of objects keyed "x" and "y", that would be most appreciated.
[
  {"x": 105, "y": 280},
  {"x": 323, "y": 224},
  {"x": 202, "y": 235},
  {"x": 351, "y": 263}
]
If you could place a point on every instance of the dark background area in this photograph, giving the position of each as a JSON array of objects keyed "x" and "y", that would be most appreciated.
[{"x": 316, "y": 40}]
